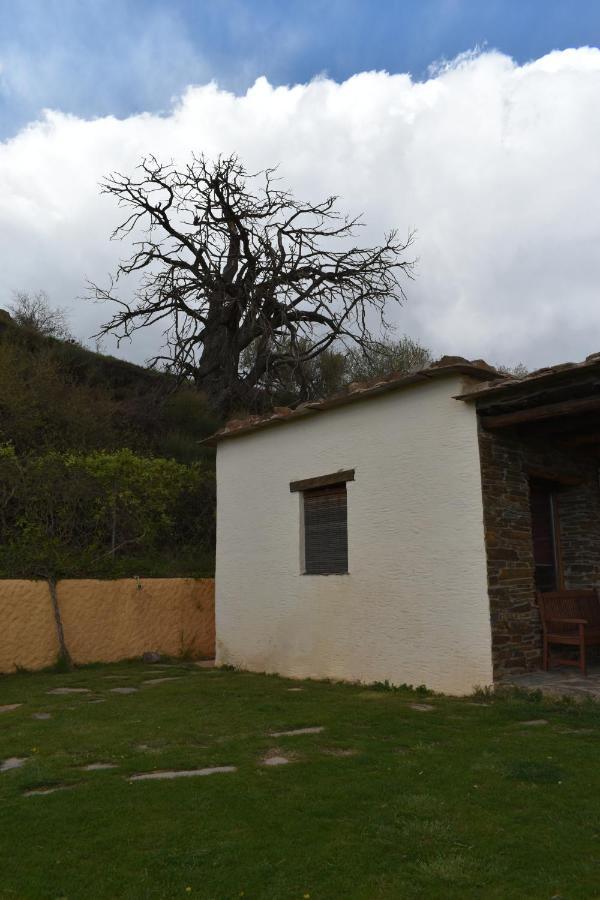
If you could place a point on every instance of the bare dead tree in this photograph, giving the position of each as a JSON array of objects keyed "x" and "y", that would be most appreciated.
[
  {"x": 34, "y": 311},
  {"x": 226, "y": 260}
]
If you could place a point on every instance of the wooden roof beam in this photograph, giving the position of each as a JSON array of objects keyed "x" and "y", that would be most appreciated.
[{"x": 540, "y": 413}]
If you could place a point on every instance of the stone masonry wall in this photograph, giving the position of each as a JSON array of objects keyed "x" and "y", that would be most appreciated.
[
  {"x": 579, "y": 512},
  {"x": 505, "y": 463}
]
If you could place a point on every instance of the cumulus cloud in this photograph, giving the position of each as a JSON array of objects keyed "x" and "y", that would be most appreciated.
[{"x": 495, "y": 164}]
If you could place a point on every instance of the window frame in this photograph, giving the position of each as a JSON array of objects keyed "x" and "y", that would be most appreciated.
[{"x": 311, "y": 486}]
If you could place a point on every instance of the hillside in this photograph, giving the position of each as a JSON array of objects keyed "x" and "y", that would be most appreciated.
[
  {"x": 101, "y": 469},
  {"x": 56, "y": 394}
]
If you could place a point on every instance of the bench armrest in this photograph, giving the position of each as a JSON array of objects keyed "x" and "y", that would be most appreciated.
[{"x": 566, "y": 621}]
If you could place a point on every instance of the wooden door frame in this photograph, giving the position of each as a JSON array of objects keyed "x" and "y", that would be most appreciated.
[
  {"x": 554, "y": 487},
  {"x": 558, "y": 557}
]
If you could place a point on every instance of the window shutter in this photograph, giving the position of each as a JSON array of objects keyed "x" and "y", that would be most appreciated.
[{"x": 326, "y": 530}]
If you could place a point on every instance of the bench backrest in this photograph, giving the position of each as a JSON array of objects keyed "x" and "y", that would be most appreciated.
[{"x": 576, "y": 604}]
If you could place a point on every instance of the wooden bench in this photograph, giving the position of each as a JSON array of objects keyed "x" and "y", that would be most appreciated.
[{"x": 570, "y": 618}]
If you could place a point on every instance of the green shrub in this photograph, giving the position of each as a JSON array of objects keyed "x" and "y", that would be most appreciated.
[{"x": 104, "y": 514}]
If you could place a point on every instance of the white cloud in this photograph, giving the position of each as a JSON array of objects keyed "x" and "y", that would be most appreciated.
[{"x": 497, "y": 166}]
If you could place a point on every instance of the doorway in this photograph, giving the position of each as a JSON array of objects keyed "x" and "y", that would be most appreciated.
[{"x": 545, "y": 532}]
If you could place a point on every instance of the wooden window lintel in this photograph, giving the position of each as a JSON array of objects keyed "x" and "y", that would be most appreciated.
[
  {"x": 561, "y": 478},
  {"x": 307, "y": 484}
]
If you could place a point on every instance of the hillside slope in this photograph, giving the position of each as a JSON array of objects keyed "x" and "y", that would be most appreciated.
[{"x": 57, "y": 394}]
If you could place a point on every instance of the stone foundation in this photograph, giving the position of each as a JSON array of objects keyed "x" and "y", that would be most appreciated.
[{"x": 506, "y": 464}]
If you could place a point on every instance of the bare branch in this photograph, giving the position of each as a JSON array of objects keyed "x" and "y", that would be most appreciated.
[{"x": 227, "y": 260}]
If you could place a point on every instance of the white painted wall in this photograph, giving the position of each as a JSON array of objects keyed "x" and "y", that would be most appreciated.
[{"x": 414, "y": 607}]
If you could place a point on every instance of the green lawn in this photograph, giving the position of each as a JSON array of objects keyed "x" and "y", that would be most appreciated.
[{"x": 462, "y": 800}]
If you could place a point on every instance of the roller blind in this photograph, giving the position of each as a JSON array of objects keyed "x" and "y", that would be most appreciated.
[{"x": 326, "y": 530}]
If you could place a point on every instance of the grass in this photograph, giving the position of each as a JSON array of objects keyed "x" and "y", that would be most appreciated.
[{"x": 462, "y": 801}]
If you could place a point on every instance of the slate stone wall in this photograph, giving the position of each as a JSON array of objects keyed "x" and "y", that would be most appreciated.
[{"x": 506, "y": 462}]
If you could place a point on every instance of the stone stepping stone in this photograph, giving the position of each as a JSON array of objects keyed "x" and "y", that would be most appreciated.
[
  {"x": 181, "y": 773},
  {"x": 162, "y": 680},
  {"x": 41, "y": 716},
  {"x": 42, "y": 792},
  {"x": 275, "y": 761},
  {"x": 339, "y": 751},
  {"x": 8, "y": 707},
  {"x": 422, "y": 707},
  {"x": 69, "y": 690},
  {"x": 95, "y": 700},
  {"x": 315, "y": 729},
  {"x": 124, "y": 690},
  {"x": 13, "y": 762},
  {"x": 97, "y": 767},
  {"x": 532, "y": 723},
  {"x": 295, "y": 689}
]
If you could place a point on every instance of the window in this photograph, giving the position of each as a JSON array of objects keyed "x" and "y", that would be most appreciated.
[
  {"x": 326, "y": 530},
  {"x": 325, "y": 522}
]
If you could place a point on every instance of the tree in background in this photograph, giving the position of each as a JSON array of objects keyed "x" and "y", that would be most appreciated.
[
  {"x": 338, "y": 366},
  {"x": 33, "y": 311},
  {"x": 518, "y": 370},
  {"x": 384, "y": 357},
  {"x": 227, "y": 260},
  {"x": 59, "y": 395}
]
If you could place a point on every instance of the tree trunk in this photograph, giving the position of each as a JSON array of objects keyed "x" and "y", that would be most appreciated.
[
  {"x": 218, "y": 373},
  {"x": 63, "y": 651}
]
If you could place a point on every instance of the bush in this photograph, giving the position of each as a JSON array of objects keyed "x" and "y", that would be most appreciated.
[{"x": 103, "y": 514}]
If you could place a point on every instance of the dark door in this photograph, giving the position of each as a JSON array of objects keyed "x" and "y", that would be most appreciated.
[{"x": 544, "y": 534}]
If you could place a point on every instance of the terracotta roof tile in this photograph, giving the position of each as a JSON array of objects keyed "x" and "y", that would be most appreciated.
[
  {"x": 544, "y": 375},
  {"x": 358, "y": 390}
]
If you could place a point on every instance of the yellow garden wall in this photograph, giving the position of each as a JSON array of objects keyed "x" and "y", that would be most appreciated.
[{"x": 106, "y": 621}]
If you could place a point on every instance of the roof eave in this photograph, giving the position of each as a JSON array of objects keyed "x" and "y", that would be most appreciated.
[
  {"x": 352, "y": 396},
  {"x": 563, "y": 372}
]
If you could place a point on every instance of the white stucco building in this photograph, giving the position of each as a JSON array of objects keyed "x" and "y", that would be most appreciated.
[
  {"x": 415, "y": 582},
  {"x": 351, "y": 541}
]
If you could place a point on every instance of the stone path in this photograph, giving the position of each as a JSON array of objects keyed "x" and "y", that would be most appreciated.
[
  {"x": 13, "y": 762},
  {"x": 316, "y": 729},
  {"x": 181, "y": 773},
  {"x": 69, "y": 690},
  {"x": 275, "y": 761},
  {"x": 339, "y": 751},
  {"x": 124, "y": 690},
  {"x": 560, "y": 682},
  {"x": 422, "y": 707},
  {"x": 161, "y": 680},
  {"x": 8, "y": 707},
  {"x": 41, "y": 716},
  {"x": 97, "y": 767},
  {"x": 41, "y": 792}
]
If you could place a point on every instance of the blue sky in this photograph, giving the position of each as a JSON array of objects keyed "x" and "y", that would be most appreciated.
[
  {"x": 492, "y": 157},
  {"x": 99, "y": 57}
]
